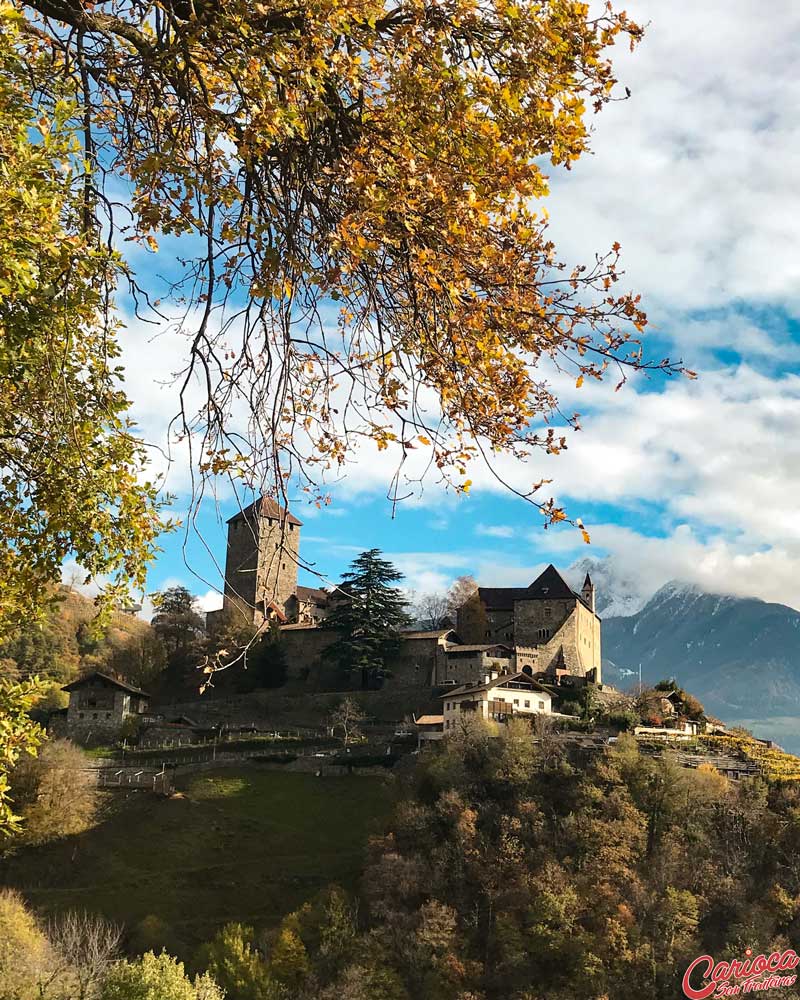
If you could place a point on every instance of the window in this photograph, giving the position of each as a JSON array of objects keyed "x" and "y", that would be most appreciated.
[
  {"x": 541, "y": 706},
  {"x": 108, "y": 715},
  {"x": 543, "y": 634},
  {"x": 527, "y": 703},
  {"x": 80, "y": 715},
  {"x": 516, "y": 701},
  {"x": 548, "y": 611}
]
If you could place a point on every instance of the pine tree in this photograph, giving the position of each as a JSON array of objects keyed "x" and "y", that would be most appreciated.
[{"x": 368, "y": 614}]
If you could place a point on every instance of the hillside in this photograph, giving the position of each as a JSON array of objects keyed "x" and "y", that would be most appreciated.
[
  {"x": 239, "y": 843},
  {"x": 64, "y": 645}
]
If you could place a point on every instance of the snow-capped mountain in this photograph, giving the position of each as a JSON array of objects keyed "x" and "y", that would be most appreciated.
[
  {"x": 740, "y": 656},
  {"x": 617, "y": 594}
]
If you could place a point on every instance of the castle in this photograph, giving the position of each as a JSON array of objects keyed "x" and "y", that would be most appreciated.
[
  {"x": 552, "y": 629},
  {"x": 261, "y": 569},
  {"x": 546, "y": 630}
]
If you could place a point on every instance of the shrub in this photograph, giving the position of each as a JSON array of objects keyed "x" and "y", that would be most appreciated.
[
  {"x": 233, "y": 961},
  {"x": 55, "y": 793},
  {"x": 622, "y": 720},
  {"x": 157, "y": 977},
  {"x": 26, "y": 958}
]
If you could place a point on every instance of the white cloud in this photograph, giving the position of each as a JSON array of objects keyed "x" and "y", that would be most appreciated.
[
  {"x": 695, "y": 174},
  {"x": 716, "y": 565},
  {"x": 495, "y": 530},
  {"x": 211, "y": 600}
]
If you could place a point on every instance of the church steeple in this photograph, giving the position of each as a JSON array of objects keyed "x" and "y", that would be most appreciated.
[{"x": 587, "y": 592}]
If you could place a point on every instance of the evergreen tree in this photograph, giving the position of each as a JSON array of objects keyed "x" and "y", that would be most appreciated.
[{"x": 368, "y": 614}]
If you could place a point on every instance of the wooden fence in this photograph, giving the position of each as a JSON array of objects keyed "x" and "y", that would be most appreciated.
[{"x": 132, "y": 778}]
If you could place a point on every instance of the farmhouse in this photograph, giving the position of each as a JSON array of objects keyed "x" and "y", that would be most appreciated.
[
  {"x": 498, "y": 698},
  {"x": 100, "y": 701}
]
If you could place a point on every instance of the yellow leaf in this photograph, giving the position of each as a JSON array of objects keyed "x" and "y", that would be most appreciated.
[{"x": 579, "y": 383}]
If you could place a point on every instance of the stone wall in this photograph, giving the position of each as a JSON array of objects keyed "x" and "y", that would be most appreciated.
[
  {"x": 473, "y": 666},
  {"x": 241, "y": 563},
  {"x": 536, "y": 622},
  {"x": 304, "y": 645},
  {"x": 575, "y": 646},
  {"x": 419, "y": 663},
  {"x": 499, "y": 627},
  {"x": 279, "y": 549}
]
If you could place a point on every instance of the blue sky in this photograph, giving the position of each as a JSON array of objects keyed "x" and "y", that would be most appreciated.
[{"x": 695, "y": 176}]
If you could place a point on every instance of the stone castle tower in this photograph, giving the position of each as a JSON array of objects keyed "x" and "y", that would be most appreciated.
[{"x": 261, "y": 561}]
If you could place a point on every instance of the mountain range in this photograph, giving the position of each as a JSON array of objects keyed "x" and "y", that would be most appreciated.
[{"x": 739, "y": 655}]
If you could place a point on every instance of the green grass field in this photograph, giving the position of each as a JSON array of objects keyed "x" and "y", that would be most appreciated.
[{"x": 244, "y": 844}]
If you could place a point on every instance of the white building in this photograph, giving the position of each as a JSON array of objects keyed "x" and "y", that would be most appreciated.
[{"x": 498, "y": 698}]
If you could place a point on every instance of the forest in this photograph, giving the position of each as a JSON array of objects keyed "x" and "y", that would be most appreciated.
[{"x": 507, "y": 871}]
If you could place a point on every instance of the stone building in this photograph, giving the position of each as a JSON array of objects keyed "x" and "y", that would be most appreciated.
[
  {"x": 100, "y": 701},
  {"x": 308, "y": 605},
  {"x": 261, "y": 562},
  {"x": 554, "y": 630},
  {"x": 465, "y": 663},
  {"x": 422, "y": 657}
]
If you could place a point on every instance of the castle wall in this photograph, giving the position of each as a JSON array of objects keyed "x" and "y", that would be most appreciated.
[
  {"x": 241, "y": 563},
  {"x": 535, "y": 622},
  {"x": 499, "y": 627},
  {"x": 279, "y": 549},
  {"x": 418, "y": 663},
  {"x": 588, "y": 641},
  {"x": 473, "y": 666},
  {"x": 304, "y": 646}
]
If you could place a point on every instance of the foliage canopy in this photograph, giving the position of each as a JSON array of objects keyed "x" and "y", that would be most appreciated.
[
  {"x": 359, "y": 186},
  {"x": 69, "y": 457}
]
